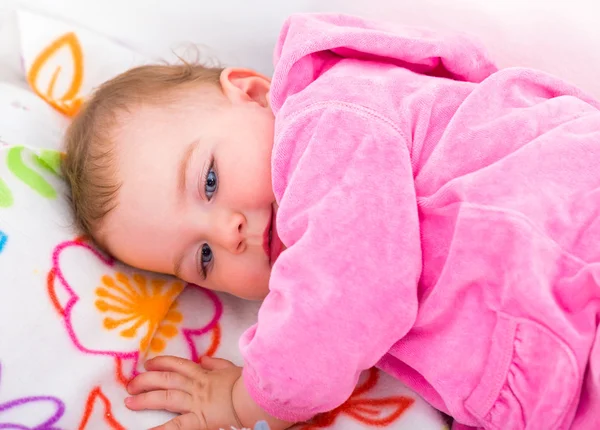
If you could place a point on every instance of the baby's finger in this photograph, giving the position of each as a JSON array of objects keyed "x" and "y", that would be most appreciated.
[
  {"x": 168, "y": 400},
  {"x": 183, "y": 422},
  {"x": 151, "y": 381},
  {"x": 211, "y": 363},
  {"x": 173, "y": 364}
]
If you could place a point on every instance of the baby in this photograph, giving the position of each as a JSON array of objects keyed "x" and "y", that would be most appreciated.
[{"x": 396, "y": 201}]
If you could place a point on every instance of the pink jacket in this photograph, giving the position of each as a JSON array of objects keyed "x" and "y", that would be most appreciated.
[{"x": 442, "y": 220}]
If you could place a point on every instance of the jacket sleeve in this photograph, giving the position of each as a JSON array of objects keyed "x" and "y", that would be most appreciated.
[{"x": 345, "y": 289}]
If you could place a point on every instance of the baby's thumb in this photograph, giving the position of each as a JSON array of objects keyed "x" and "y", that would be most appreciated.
[{"x": 211, "y": 363}]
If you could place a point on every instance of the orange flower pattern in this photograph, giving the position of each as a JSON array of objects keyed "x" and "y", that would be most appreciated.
[
  {"x": 133, "y": 316},
  {"x": 140, "y": 305}
]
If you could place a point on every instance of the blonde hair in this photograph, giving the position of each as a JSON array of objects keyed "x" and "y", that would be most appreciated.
[{"x": 89, "y": 165}]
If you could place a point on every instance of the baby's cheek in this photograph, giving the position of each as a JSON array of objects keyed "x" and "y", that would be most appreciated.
[
  {"x": 250, "y": 280},
  {"x": 256, "y": 196},
  {"x": 247, "y": 275},
  {"x": 250, "y": 184}
]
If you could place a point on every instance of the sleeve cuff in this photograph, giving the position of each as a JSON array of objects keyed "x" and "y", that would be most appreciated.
[{"x": 281, "y": 410}]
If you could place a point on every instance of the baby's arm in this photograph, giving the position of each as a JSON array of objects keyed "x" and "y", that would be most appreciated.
[{"x": 345, "y": 290}]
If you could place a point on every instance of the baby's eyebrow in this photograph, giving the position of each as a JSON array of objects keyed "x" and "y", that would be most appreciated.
[{"x": 184, "y": 164}]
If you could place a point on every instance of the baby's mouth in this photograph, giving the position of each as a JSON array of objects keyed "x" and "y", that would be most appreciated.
[{"x": 268, "y": 237}]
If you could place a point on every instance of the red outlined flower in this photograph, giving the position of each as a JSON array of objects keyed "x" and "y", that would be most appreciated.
[{"x": 110, "y": 310}]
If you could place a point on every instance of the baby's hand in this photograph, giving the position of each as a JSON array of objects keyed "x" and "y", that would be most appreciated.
[{"x": 201, "y": 393}]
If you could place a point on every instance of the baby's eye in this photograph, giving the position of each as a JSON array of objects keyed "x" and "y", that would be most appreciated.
[
  {"x": 206, "y": 257},
  {"x": 210, "y": 183}
]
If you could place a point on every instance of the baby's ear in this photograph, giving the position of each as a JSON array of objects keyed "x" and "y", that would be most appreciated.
[{"x": 245, "y": 85}]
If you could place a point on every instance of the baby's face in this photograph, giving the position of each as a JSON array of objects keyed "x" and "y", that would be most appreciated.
[{"x": 196, "y": 199}]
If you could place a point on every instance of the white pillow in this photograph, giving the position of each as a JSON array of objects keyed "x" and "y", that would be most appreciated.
[
  {"x": 27, "y": 120},
  {"x": 10, "y": 69},
  {"x": 558, "y": 36},
  {"x": 63, "y": 62}
]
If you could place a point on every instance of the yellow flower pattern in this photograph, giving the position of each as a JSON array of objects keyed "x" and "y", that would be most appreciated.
[{"x": 141, "y": 305}]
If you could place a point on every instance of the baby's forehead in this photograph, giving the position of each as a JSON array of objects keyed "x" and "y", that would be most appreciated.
[
  {"x": 159, "y": 113},
  {"x": 142, "y": 124},
  {"x": 150, "y": 139},
  {"x": 153, "y": 135},
  {"x": 144, "y": 115}
]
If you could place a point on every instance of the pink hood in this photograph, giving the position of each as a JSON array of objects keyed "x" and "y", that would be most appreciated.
[{"x": 307, "y": 47}]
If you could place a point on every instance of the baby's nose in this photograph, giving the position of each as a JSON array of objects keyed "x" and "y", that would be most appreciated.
[{"x": 235, "y": 230}]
